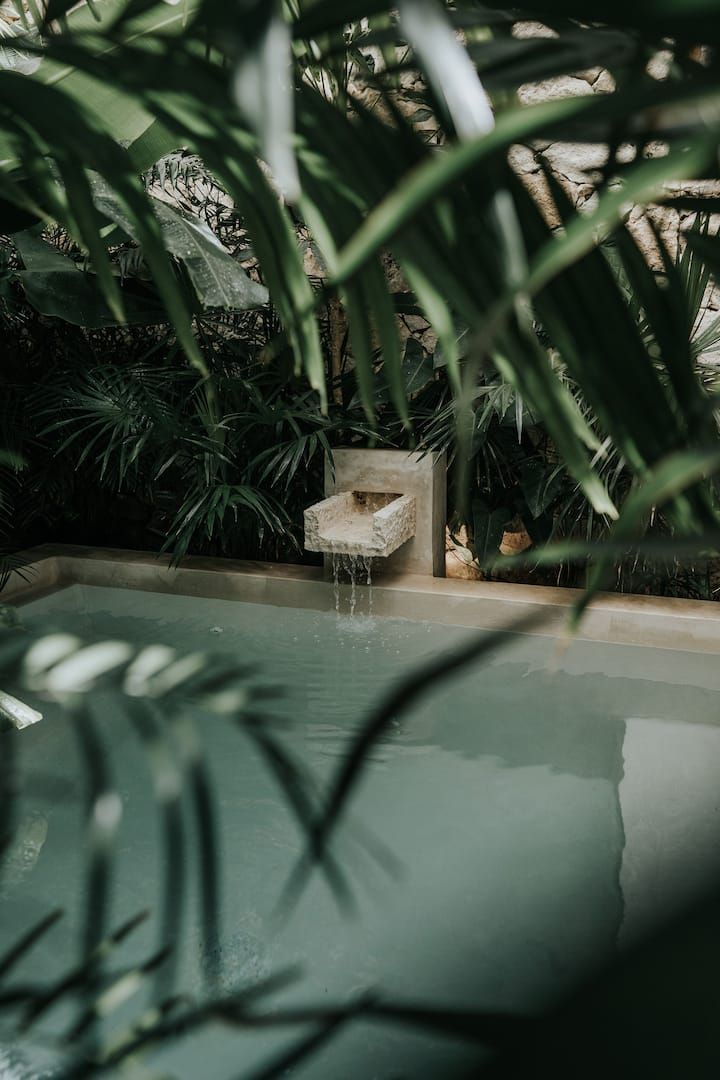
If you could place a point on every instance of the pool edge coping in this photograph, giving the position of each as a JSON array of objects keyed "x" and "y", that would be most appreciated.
[{"x": 688, "y": 625}]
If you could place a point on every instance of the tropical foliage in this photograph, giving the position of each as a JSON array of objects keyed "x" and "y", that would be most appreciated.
[
  {"x": 371, "y": 267},
  {"x": 353, "y": 163}
]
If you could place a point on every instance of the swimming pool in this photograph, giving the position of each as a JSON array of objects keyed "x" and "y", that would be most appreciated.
[{"x": 545, "y": 807}]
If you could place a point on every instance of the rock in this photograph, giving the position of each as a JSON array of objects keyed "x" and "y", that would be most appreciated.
[
  {"x": 459, "y": 560},
  {"x": 513, "y": 543},
  {"x": 659, "y": 65},
  {"x": 564, "y": 86},
  {"x": 604, "y": 84},
  {"x": 532, "y": 29},
  {"x": 523, "y": 160},
  {"x": 457, "y": 567},
  {"x": 577, "y": 158}
]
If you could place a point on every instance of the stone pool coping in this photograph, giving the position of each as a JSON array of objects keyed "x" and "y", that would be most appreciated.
[{"x": 688, "y": 625}]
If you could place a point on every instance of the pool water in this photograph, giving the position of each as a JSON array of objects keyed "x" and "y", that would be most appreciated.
[{"x": 545, "y": 810}]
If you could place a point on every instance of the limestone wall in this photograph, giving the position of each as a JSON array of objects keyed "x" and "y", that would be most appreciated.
[{"x": 576, "y": 165}]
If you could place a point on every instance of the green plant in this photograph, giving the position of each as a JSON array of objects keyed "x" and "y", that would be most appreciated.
[
  {"x": 618, "y": 400},
  {"x": 121, "y": 449},
  {"x": 465, "y": 194}
]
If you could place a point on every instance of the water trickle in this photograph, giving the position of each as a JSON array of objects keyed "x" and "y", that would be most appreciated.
[
  {"x": 358, "y": 568},
  {"x": 336, "y": 560},
  {"x": 352, "y": 570},
  {"x": 367, "y": 564}
]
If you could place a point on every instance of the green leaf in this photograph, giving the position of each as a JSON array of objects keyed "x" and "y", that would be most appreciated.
[
  {"x": 38, "y": 254},
  {"x": 417, "y": 367},
  {"x": 120, "y": 112},
  {"x": 488, "y": 528},
  {"x": 75, "y": 297},
  {"x": 276, "y": 245},
  {"x": 13, "y": 57},
  {"x": 447, "y": 65},
  {"x": 673, "y": 476},
  {"x": 84, "y": 144},
  {"x": 585, "y": 310},
  {"x": 11, "y": 459},
  {"x": 539, "y": 385},
  {"x": 56, "y": 287},
  {"x": 506, "y": 62},
  {"x": 429, "y": 179},
  {"x": 326, "y": 15},
  {"x": 263, "y": 87},
  {"x": 14, "y": 218},
  {"x": 695, "y": 20},
  {"x": 155, "y": 142},
  {"x": 449, "y": 347},
  {"x": 707, "y": 248},
  {"x": 645, "y": 182},
  {"x": 88, "y": 224},
  {"x": 539, "y": 484},
  {"x": 217, "y": 277}
]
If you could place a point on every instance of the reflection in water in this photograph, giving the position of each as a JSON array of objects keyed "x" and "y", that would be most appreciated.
[
  {"x": 507, "y": 795},
  {"x": 24, "y": 851},
  {"x": 670, "y": 800},
  {"x": 14, "y": 1066}
]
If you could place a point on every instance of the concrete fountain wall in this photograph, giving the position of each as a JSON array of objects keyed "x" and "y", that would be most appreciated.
[{"x": 422, "y": 476}]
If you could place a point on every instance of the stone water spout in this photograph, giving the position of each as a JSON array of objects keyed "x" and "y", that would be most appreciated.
[
  {"x": 387, "y": 507},
  {"x": 366, "y": 523}
]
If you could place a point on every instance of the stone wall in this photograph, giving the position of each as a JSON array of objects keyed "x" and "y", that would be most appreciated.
[{"x": 577, "y": 165}]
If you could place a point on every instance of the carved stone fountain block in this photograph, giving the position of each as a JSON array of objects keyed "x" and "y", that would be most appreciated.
[
  {"x": 364, "y": 523},
  {"x": 354, "y": 474}
]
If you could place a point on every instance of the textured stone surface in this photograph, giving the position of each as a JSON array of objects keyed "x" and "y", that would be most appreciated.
[
  {"x": 360, "y": 523},
  {"x": 564, "y": 86},
  {"x": 576, "y": 165},
  {"x": 421, "y": 475}
]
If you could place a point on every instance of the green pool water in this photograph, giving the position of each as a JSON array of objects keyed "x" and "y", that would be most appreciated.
[{"x": 545, "y": 810}]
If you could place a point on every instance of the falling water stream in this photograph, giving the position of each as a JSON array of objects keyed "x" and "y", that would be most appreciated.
[
  {"x": 352, "y": 562},
  {"x": 355, "y": 566},
  {"x": 336, "y": 580}
]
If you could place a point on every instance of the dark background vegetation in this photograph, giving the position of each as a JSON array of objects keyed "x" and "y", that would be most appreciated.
[
  {"x": 109, "y": 425},
  {"x": 186, "y": 332}
]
